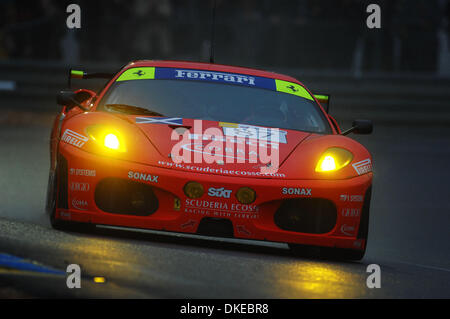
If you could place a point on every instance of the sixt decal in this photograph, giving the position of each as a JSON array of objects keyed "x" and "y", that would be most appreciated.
[
  {"x": 219, "y": 192},
  {"x": 363, "y": 167},
  {"x": 296, "y": 191},
  {"x": 74, "y": 138},
  {"x": 143, "y": 177}
]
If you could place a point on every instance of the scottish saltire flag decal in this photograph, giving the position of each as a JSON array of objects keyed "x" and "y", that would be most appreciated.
[{"x": 159, "y": 120}]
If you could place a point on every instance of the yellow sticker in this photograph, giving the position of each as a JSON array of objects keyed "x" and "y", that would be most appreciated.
[
  {"x": 321, "y": 97},
  {"x": 293, "y": 88},
  {"x": 142, "y": 73},
  {"x": 226, "y": 124}
]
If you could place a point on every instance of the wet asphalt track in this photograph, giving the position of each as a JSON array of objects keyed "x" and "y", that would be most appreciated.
[{"x": 409, "y": 236}]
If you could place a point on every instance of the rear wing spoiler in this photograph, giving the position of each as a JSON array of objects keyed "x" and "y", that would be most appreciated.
[
  {"x": 77, "y": 74},
  {"x": 324, "y": 100}
]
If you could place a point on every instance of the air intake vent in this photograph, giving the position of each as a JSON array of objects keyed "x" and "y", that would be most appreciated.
[
  {"x": 306, "y": 215},
  {"x": 119, "y": 196}
]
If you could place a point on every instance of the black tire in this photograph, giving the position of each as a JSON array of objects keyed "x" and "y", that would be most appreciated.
[{"x": 52, "y": 191}]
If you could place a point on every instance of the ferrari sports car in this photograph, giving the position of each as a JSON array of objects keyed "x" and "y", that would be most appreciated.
[{"x": 213, "y": 150}]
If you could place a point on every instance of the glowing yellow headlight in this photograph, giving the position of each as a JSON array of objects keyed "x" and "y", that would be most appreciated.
[
  {"x": 334, "y": 159},
  {"x": 111, "y": 141},
  {"x": 107, "y": 137}
]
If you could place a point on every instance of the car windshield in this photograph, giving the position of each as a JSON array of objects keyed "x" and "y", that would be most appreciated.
[{"x": 215, "y": 102}]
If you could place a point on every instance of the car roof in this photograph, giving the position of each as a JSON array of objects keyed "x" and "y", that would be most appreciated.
[{"x": 211, "y": 67}]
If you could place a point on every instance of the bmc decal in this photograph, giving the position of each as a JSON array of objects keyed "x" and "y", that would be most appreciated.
[
  {"x": 219, "y": 192},
  {"x": 79, "y": 187},
  {"x": 350, "y": 212},
  {"x": 296, "y": 191},
  {"x": 74, "y": 138},
  {"x": 363, "y": 167},
  {"x": 143, "y": 177}
]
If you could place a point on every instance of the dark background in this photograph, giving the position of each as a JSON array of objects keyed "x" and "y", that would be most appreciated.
[{"x": 307, "y": 34}]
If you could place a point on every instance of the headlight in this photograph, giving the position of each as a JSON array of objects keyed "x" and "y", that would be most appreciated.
[
  {"x": 108, "y": 138},
  {"x": 112, "y": 141},
  {"x": 334, "y": 159}
]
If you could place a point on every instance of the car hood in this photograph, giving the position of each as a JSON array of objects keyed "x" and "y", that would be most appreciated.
[
  {"x": 160, "y": 142},
  {"x": 221, "y": 148}
]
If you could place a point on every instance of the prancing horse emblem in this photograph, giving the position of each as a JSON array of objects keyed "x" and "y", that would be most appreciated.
[
  {"x": 139, "y": 73},
  {"x": 292, "y": 88}
]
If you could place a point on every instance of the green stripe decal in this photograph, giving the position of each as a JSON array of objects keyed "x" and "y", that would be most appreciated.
[
  {"x": 142, "y": 73},
  {"x": 293, "y": 88},
  {"x": 76, "y": 74},
  {"x": 321, "y": 97}
]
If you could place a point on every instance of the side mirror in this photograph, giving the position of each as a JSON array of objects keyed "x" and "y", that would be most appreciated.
[
  {"x": 360, "y": 127},
  {"x": 66, "y": 98},
  {"x": 71, "y": 99}
]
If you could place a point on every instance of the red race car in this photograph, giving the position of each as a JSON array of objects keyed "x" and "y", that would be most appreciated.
[{"x": 210, "y": 149}]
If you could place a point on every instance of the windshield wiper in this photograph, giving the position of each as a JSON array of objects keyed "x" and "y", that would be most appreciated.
[{"x": 131, "y": 109}]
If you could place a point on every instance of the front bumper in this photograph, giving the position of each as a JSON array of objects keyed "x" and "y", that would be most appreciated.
[{"x": 178, "y": 213}]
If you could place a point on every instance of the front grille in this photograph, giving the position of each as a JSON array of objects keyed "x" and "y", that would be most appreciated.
[
  {"x": 306, "y": 215},
  {"x": 119, "y": 196},
  {"x": 219, "y": 227}
]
